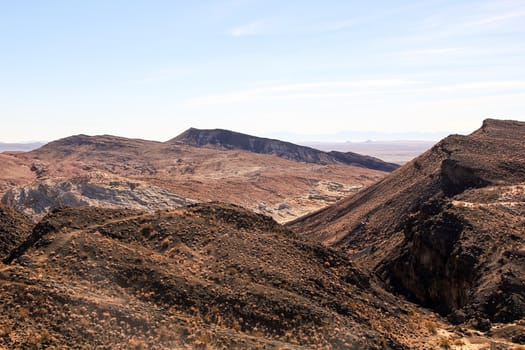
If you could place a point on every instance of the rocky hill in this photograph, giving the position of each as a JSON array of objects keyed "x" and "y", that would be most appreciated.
[
  {"x": 447, "y": 229},
  {"x": 210, "y": 276},
  {"x": 265, "y": 183},
  {"x": 227, "y": 139}
]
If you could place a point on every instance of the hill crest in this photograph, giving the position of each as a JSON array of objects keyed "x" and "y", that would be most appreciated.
[{"x": 227, "y": 139}]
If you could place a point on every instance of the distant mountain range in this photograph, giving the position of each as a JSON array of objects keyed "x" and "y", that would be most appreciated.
[
  {"x": 226, "y": 139},
  {"x": 19, "y": 146},
  {"x": 399, "y": 152},
  {"x": 360, "y": 136}
]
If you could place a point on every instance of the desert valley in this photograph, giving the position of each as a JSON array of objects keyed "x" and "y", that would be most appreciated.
[
  {"x": 222, "y": 240},
  {"x": 262, "y": 174}
]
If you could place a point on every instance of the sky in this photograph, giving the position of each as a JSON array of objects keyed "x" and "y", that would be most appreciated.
[{"x": 310, "y": 70}]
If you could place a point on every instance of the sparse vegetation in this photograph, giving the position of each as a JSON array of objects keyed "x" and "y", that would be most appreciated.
[
  {"x": 217, "y": 276},
  {"x": 445, "y": 343},
  {"x": 232, "y": 279}
]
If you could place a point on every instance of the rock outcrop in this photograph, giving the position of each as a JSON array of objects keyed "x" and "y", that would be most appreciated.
[{"x": 97, "y": 190}]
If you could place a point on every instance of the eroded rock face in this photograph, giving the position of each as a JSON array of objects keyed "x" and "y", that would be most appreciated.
[
  {"x": 466, "y": 260},
  {"x": 43, "y": 196},
  {"x": 456, "y": 177},
  {"x": 462, "y": 251},
  {"x": 429, "y": 269}
]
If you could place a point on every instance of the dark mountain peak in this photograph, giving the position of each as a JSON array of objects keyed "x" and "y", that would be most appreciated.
[
  {"x": 223, "y": 138},
  {"x": 226, "y": 139}
]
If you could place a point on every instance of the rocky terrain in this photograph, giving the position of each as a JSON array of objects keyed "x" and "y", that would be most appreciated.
[
  {"x": 13, "y": 172},
  {"x": 430, "y": 257},
  {"x": 210, "y": 276},
  {"x": 44, "y": 178},
  {"x": 227, "y": 139},
  {"x": 447, "y": 230},
  {"x": 96, "y": 190},
  {"x": 14, "y": 229}
]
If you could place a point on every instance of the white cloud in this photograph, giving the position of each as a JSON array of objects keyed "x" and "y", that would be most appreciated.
[
  {"x": 434, "y": 51},
  {"x": 495, "y": 19},
  {"x": 455, "y": 52},
  {"x": 326, "y": 89},
  {"x": 461, "y": 21},
  {"x": 487, "y": 85},
  {"x": 361, "y": 90},
  {"x": 252, "y": 28}
]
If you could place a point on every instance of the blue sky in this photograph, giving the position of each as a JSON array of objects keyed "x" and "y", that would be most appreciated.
[{"x": 151, "y": 69}]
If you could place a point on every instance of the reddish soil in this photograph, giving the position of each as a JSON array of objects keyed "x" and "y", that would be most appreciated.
[{"x": 269, "y": 184}]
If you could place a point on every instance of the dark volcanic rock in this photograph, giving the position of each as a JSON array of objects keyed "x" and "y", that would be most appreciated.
[
  {"x": 233, "y": 140},
  {"x": 15, "y": 227},
  {"x": 206, "y": 276},
  {"x": 447, "y": 229}
]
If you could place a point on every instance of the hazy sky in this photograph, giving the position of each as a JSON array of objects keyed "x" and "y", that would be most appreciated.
[{"x": 151, "y": 69}]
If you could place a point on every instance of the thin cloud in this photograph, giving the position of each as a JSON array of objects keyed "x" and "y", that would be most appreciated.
[
  {"x": 496, "y": 19},
  {"x": 252, "y": 28},
  {"x": 488, "y": 17},
  {"x": 430, "y": 52},
  {"x": 456, "y": 52},
  {"x": 488, "y": 85},
  {"x": 325, "y": 89},
  {"x": 338, "y": 25},
  {"x": 360, "y": 89}
]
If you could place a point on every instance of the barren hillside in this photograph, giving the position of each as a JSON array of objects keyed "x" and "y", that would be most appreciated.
[
  {"x": 268, "y": 184},
  {"x": 447, "y": 229},
  {"x": 210, "y": 276}
]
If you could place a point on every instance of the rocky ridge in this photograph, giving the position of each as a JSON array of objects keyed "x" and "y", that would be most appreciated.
[
  {"x": 227, "y": 139},
  {"x": 447, "y": 229}
]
